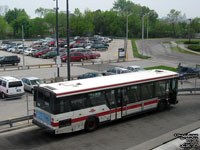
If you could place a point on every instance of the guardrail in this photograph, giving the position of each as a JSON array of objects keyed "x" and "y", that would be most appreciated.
[
  {"x": 12, "y": 121},
  {"x": 7, "y": 68},
  {"x": 189, "y": 90}
]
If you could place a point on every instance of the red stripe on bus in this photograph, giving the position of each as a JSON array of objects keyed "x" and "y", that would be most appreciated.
[
  {"x": 114, "y": 85},
  {"x": 134, "y": 106},
  {"x": 151, "y": 102},
  {"x": 79, "y": 119},
  {"x": 113, "y": 111}
]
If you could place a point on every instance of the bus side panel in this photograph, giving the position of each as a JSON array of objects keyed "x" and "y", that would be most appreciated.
[
  {"x": 134, "y": 108},
  {"x": 150, "y": 104}
]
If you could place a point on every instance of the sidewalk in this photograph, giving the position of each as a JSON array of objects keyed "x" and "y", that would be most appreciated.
[
  {"x": 183, "y": 47},
  {"x": 168, "y": 141}
]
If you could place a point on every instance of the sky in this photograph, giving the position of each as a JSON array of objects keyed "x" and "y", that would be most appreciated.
[{"x": 162, "y": 7}]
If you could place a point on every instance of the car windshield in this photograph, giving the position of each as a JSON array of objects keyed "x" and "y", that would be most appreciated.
[{"x": 35, "y": 82}]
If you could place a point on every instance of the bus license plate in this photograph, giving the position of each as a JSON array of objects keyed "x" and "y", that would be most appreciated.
[{"x": 18, "y": 90}]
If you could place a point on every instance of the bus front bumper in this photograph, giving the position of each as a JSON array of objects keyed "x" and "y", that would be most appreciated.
[{"x": 48, "y": 129}]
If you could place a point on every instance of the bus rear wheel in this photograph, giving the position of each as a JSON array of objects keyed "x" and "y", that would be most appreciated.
[
  {"x": 162, "y": 105},
  {"x": 91, "y": 124}
]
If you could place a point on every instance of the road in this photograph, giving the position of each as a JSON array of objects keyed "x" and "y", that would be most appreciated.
[
  {"x": 161, "y": 52},
  {"x": 118, "y": 135}
]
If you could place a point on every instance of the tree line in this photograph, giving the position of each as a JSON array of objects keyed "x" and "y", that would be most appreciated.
[{"x": 105, "y": 23}]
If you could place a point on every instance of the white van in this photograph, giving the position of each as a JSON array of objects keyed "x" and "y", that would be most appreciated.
[{"x": 11, "y": 87}]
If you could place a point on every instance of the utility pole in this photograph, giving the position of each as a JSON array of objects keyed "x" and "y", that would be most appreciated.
[
  {"x": 126, "y": 42},
  {"x": 57, "y": 47},
  {"x": 190, "y": 30},
  {"x": 23, "y": 46},
  {"x": 147, "y": 26},
  {"x": 68, "y": 50},
  {"x": 142, "y": 34}
]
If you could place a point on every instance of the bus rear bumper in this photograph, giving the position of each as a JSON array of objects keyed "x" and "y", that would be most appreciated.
[{"x": 43, "y": 126}]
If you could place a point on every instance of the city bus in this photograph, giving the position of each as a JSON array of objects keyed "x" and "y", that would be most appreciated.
[{"x": 71, "y": 106}]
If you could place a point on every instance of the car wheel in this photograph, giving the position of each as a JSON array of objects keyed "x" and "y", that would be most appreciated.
[
  {"x": 32, "y": 91},
  {"x": 3, "y": 96},
  {"x": 91, "y": 124}
]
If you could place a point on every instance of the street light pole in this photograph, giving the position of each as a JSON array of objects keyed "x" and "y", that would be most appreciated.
[
  {"x": 190, "y": 30},
  {"x": 68, "y": 54},
  {"x": 147, "y": 26},
  {"x": 142, "y": 34},
  {"x": 126, "y": 42},
  {"x": 23, "y": 46},
  {"x": 57, "y": 47}
]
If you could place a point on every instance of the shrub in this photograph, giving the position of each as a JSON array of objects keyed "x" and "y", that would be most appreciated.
[
  {"x": 194, "y": 47},
  {"x": 191, "y": 42}
]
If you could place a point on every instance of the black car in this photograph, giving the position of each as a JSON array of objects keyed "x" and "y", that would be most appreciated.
[
  {"x": 89, "y": 75},
  {"x": 187, "y": 72},
  {"x": 13, "y": 60}
]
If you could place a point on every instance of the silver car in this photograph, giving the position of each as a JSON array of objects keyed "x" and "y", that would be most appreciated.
[{"x": 30, "y": 82}]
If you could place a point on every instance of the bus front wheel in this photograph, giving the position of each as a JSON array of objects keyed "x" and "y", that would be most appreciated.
[{"x": 91, "y": 124}]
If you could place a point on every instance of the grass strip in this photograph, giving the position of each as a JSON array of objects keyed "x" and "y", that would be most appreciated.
[
  {"x": 135, "y": 51},
  {"x": 162, "y": 67}
]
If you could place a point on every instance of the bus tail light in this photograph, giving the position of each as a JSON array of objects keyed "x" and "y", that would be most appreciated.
[
  {"x": 55, "y": 124},
  {"x": 64, "y": 123},
  {"x": 34, "y": 114}
]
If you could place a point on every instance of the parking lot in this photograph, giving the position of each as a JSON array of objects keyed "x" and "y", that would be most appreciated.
[{"x": 132, "y": 132}]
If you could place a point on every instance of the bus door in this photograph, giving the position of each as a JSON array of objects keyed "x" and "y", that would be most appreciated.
[
  {"x": 173, "y": 91},
  {"x": 114, "y": 100},
  {"x": 125, "y": 99}
]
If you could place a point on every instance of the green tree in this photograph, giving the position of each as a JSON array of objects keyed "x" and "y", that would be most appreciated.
[
  {"x": 5, "y": 29},
  {"x": 42, "y": 12},
  {"x": 50, "y": 20},
  {"x": 38, "y": 28},
  {"x": 173, "y": 18}
]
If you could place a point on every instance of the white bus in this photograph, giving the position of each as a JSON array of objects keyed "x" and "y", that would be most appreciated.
[{"x": 84, "y": 104}]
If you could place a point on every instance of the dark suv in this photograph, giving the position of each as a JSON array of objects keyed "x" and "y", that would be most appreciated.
[
  {"x": 13, "y": 60},
  {"x": 188, "y": 72}
]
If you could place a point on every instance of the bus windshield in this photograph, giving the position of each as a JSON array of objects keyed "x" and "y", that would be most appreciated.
[{"x": 43, "y": 100}]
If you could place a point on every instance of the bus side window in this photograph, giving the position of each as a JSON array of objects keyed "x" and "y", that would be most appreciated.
[
  {"x": 160, "y": 88},
  {"x": 62, "y": 105},
  {"x": 110, "y": 95},
  {"x": 78, "y": 102},
  {"x": 97, "y": 98},
  {"x": 133, "y": 94},
  {"x": 147, "y": 91},
  {"x": 125, "y": 95}
]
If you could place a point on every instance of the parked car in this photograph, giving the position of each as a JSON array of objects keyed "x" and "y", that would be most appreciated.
[
  {"x": 97, "y": 46},
  {"x": 11, "y": 87},
  {"x": 50, "y": 54},
  {"x": 74, "y": 56},
  {"x": 30, "y": 83},
  {"x": 186, "y": 72},
  {"x": 89, "y": 75},
  {"x": 118, "y": 70},
  {"x": 13, "y": 60},
  {"x": 92, "y": 55},
  {"x": 29, "y": 51},
  {"x": 41, "y": 52},
  {"x": 135, "y": 68}
]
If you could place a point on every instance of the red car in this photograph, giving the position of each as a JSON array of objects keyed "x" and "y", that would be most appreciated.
[
  {"x": 74, "y": 56},
  {"x": 38, "y": 54},
  {"x": 93, "y": 55}
]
